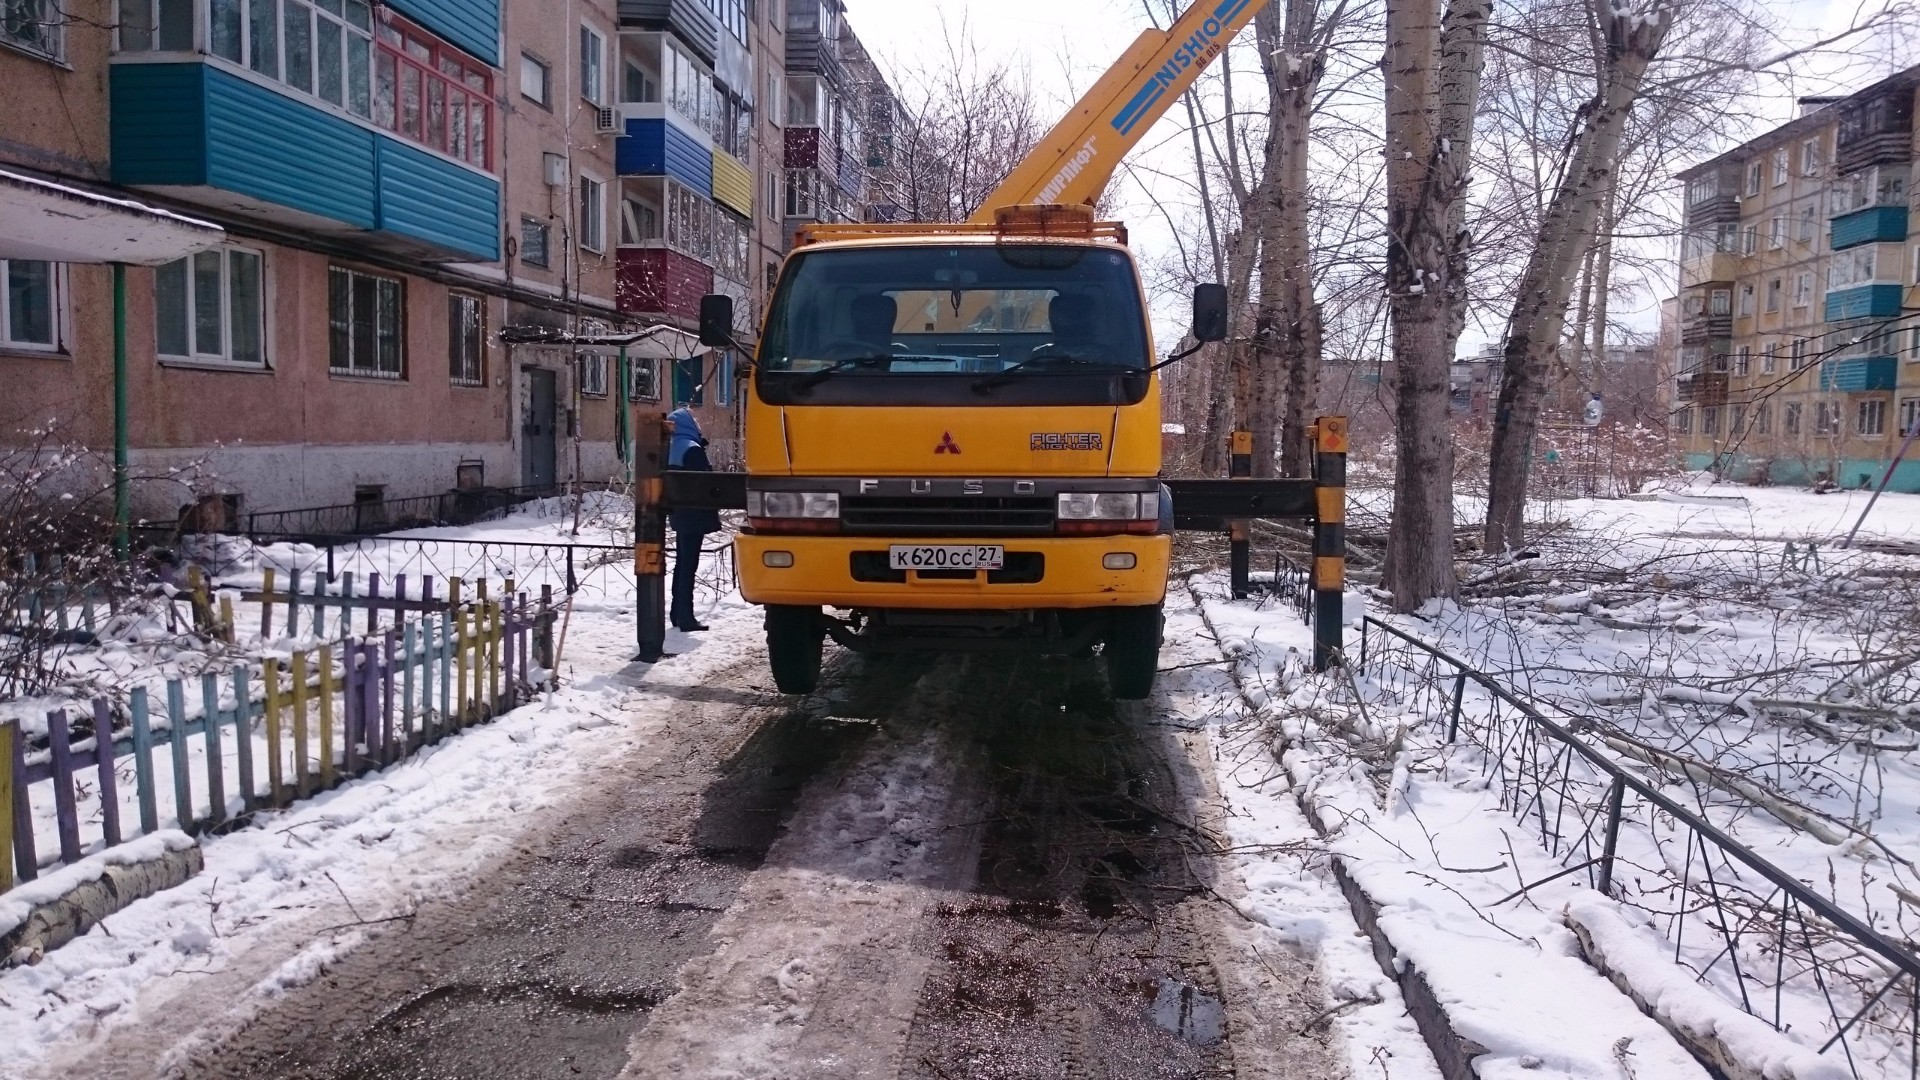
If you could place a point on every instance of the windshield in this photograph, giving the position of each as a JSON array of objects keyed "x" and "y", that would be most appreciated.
[{"x": 961, "y": 314}]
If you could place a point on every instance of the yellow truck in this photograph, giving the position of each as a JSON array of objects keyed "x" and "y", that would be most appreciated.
[{"x": 952, "y": 438}]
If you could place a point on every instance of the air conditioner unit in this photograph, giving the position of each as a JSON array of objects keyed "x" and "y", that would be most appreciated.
[{"x": 607, "y": 122}]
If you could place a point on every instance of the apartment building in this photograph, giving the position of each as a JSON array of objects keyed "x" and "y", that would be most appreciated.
[
  {"x": 1799, "y": 279},
  {"x": 442, "y": 220}
]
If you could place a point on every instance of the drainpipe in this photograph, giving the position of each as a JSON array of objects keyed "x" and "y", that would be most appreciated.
[
  {"x": 623, "y": 426},
  {"x": 122, "y": 497}
]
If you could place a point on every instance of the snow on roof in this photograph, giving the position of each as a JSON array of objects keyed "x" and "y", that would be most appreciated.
[{"x": 50, "y": 220}]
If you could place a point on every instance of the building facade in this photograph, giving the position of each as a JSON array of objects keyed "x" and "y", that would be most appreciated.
[
  {"x": 440, "y": 215},
  {"x": 1799, "y": 282}
]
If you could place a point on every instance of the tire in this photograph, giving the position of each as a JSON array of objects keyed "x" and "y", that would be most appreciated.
[
  {"x": 1133, "y": 651},
  {"x": 795, "y": 641}
]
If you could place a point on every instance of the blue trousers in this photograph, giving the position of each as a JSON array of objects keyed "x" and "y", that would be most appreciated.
[{"x": 686, "y": 564}]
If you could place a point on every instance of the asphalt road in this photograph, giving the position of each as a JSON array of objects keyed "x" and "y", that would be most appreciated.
[{"x": 933, "y": 868}]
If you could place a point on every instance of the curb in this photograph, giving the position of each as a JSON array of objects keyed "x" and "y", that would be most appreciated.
[{"x": 53, "y": 923}]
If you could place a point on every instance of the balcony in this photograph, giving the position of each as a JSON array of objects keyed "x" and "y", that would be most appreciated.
[
  {"x": 208, "y": 135},
  {"x": 1874, "y": 300},
  {"x": 661, "y": 282},
  {"x": 805, "y": 151},
  {"x": 1874, "y": 225},
  {"x": 733, "y": 185},
  {"x": 657, "y": 144},
  {"x": 1714, "y": 266},
  {"x": 1703, "y": 329},
  {"x": 1875, "y": 130},
  {"x": 689, "y": 20},
  {"x": 1859, "y": 374},
  {"x": 1702, "y": 388}
]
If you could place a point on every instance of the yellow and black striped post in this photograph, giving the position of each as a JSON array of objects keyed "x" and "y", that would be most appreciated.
[
  {"x": 650, "y": 539},
  {"x": 1329, "y": 539},
  {"x": 1240, "y": 531}
]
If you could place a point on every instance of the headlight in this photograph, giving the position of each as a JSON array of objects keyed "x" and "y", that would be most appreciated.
[
  {"x": 793, "y": 504},
  {"x": 1108, "y": 506}
]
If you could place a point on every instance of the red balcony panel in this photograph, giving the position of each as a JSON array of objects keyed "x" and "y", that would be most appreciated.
[{"x": 656, "y": 281}]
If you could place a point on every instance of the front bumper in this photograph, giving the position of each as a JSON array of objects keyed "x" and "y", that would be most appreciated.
[{"x": 1072, "y": 574}]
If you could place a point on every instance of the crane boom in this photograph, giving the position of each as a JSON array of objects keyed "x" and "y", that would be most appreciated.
[{"x": 1078, "y": 158}]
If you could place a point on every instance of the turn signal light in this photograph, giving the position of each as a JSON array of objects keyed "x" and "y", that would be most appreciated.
[{"x": 778, "y": 560}]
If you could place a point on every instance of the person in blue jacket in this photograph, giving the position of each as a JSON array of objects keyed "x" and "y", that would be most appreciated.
[{"x": 688, "y": 452}]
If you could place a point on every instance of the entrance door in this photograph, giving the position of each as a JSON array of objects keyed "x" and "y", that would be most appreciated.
[{"x": 539, "y": 432}]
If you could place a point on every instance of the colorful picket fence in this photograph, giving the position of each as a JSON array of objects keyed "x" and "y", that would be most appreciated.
[{"x": 278, "y": 730}]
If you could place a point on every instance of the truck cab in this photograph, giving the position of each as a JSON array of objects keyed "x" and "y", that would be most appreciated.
[{"x": 953, "y": 444}]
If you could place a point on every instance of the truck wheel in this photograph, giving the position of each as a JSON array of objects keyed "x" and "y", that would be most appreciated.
[
  {"x": 794, "y": 643},
  {"x": 1133, "y": 651}
]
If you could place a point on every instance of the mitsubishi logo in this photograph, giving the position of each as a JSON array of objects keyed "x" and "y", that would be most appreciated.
[{"x": 947, "y": 445}]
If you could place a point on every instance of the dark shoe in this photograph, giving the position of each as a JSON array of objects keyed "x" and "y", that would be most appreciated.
[{"x": 690, "y": 627}]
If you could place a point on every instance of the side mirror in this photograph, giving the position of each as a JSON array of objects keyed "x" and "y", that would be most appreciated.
[
  {"x": 716, "y": 321},
  {"x": 1209, "y": 313}
]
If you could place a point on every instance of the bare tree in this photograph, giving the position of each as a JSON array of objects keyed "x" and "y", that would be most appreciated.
[{"x": 1433, "y": 83}]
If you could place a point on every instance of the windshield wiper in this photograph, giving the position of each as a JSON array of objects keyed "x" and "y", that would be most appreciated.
[
  {"x": 1006, "y": 375},
  {"x": 815, "y": 378}
]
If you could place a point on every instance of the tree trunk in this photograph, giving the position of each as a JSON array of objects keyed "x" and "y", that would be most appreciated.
[
  {"x": 1433, "y": 81},
  {"x": 1540, "y": 305},
  {"x": 1293, "y": 64}
]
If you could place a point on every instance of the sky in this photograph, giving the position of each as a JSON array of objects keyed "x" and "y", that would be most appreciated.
[{"x": 1067, "y": 44}]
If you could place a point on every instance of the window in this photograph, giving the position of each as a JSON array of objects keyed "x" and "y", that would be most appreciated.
[
  {"x": 1683, "y": 421},
  {"x": 1798, "y": 354},
  {"x": 1809, "y": 225},
  {"x": 1755, "y": 172},
  {"x": 1882, "y": 185},
  {"x": 724, "y": 391},
  {"x": 211, "y": 306},
  {"x": 689, "y": 381},
  {"x": 1803, "y": 290},
  {"x": 1855, "y": 266},
  {"x": 466, "y": 340},
  {"x": 1913, "y": 345},
  {"x": 31, "y": 318},
  {"x": 1768, "y": 351},
  {"x": 1743, "y": 360},
  {"x": 593, "y": 214},
  {"x": 364, "y": 322},
  {"x": 534, "y": 81},
  {"x": 1811, "y": 158},
  {"x": 1746, "y": 300},
  {"x": 1763, "y": 419},
  {"x": 639, "y": 221},
  {"x": 1779, "y": 166},
  {"x": 1776, "y": 233},
  {"x": 773, "y": 201},
  {"x": 1710, "y": 420},
  {"x": 637, "y": 85},
  {"x": 1909, "y": 416},
  {"x": 1750, "y": 240},
  {"x": 323, "y": 48},
  {"x": 1738, "y": 425},
  {"x": 34, "y": 25},
  {"x": 1870, "y": 418},
  {"x": 1915, "y": 279},
  {"x": 1720, "y": 302},
  {"x": 1790, "y": 418},
  {"x": 593, "y": 375},
  {"x": 593, "y": 50},
  {"x": 535, "y": 242},
  {"x": 1774, "y": 289},
  {"x": 645, "y": 372},
  {"x": 1826, "y": 418},
  {"x": 429, "y": 92}
]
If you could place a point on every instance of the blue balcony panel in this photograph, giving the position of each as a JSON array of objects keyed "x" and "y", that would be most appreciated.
[
  {"x": 195, "y": 126},
  {"x": 1874, "y": 225},
  {"x": 429, "y": 198},
  {"x": 473, "y": 25},
  {"x": 1878, "y": 300},
  {"x": 659, "y": 148},
  {"x": 1859, "y": 374}
]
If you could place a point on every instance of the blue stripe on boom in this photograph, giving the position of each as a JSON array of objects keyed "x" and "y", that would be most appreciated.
[
  {"x": 1229, "y": 8},
  {"x": 1129, "y": 117}
]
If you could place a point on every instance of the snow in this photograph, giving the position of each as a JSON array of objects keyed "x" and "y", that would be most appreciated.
[
  {"x": 278, "y": 902},
  {"x": 18, "y": 902}
]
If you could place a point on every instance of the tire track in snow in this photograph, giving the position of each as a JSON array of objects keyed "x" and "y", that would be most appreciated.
[{"x": 821, "y": 959}]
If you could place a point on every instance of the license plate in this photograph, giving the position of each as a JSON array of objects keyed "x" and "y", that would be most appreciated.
[{"x": 946, "y": 556}]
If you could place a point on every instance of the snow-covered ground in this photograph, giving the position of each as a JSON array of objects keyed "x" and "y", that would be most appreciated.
[
  {"x": 277, "y": 901},
  {"x": 1769, "y": 693}
]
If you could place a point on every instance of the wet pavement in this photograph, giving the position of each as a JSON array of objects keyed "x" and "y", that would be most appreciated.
[{"x": 1054, "y": 916}]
